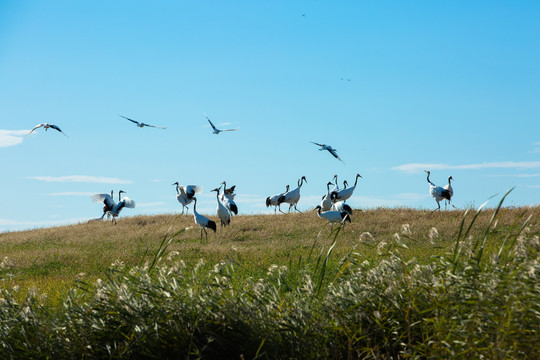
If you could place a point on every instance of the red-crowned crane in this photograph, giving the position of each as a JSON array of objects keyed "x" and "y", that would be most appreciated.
[
  {"x": 116, "y": 207},
  {"x": 333, "y": 217},
  {"x": 229, "y": 203},
  {"x": 202, "y": 221},
  {"x": 141, "y": 124},
  {"x": 228, "y": 192},
  {"x": 326, "y": 203},
  {"x": 222, "y": 212},
  {"x": 292, "y": 197},
  {"x": 215, "y": 129},
  {"x": 46, "y": 127},
  {"x": 450, "y": 191},
  {"x": 342, "y": 207},
  {"x": 437, "y": 192},
  {"x": 343, "y": 195},
  {"x": 108, "y": 201},
  {"x": 185, "y": 194},
  {"x": 273, "y": 200},
  {"x": 330, "y": 149}
]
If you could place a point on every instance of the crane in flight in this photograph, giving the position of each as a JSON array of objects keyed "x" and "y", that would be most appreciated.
[
  {"x": 330, "y": 149},
  {"x": 47, "y": 126},
  {"x": 141, "y": 124},
  {"x": 216, "y": 130}
]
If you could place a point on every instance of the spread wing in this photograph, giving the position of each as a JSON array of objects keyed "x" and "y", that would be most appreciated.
[
  {"x": 35, "y": 127},
  {"x": 128, "y": 202},
  {"x": 334, "y": 153},
  {"x": 212, "y": 125},
  {"x": 57, "y": 129},
  {"x": 104, "y": 198},
  {"x": 157, "y": 127},
  {"x": 133, "y": 121}
]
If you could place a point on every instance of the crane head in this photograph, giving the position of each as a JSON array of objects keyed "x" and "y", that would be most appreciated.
[
  {"x": 318, "y": 207},
  {"x": 427, "y": 172},
  {"x": 216, "y": 189},
  {"x": 358, "y": 175},
  {"x": 176, "y": 183}
]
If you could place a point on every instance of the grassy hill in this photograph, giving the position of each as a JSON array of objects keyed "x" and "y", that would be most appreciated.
[
  {"x": 50, "y": 257},
  {"x": 394, "y": 283}
]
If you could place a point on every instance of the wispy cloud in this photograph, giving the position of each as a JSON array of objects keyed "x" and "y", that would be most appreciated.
[
  {"x": 516, "y": 175},
  {"x": 81, "y": 178},
  {"x": 536, "y": 149},
  {"x": 418, "y": 167},
  {"x": 12, "y": 137}
]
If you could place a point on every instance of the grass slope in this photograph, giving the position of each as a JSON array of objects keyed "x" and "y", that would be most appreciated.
[{"x": 397, "y": 283}]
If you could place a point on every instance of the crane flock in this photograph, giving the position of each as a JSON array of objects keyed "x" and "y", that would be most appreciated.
[{"x": 333, "y": 206}]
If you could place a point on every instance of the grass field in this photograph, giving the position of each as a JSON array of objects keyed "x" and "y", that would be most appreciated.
[{"x": 396, "y": 283}]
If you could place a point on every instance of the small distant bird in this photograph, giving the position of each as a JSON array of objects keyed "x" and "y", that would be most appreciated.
[
  {"x": 450, "y": 191},
  {"x": 216, "y": 130},
  {"x": 273, "y": 200},
  {"x": 330, "y": 149},
  {"x": 222, "y": 212},
  {"x": 202, "y": 221},
  {"x": 345, "y": 79},
  {"x": 333, "y": 217},
  {"x": 115, "y": 208},
  {"x": 344, "y": 194},
  {"x": 437, "y": 192},
  {"x": 292, "y": 197},
  {"x": 47, "y": 126},
  {"x": 141, "y": 124},
  {"x": 185, "y": 194}
]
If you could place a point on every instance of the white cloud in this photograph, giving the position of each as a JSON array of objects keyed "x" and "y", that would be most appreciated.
[
  {"x": 418, "y": 167},
  {"x": 12, "y": 137},
  {"x": 536, "y": 149},
  {"x": 516, "y": 175},
  {"x": 81, "y": 178}
]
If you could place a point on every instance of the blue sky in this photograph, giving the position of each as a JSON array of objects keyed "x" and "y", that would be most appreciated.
[{"x": 446, "y": 86}]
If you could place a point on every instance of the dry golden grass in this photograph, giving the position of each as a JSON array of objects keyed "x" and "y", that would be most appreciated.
[{"x": 51, "y": 258}]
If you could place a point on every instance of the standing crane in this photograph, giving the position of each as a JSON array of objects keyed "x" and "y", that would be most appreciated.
[
  {"x": 326, "y": 203},
  {"x": 333, "y": 217},
  {"x": 202, "y": 221},
  {"x": 228, "y": 202},
  {"x": 450, "y": 191},
  {"x": 222, "y": 212},
  {"x": 185, "y": 194},
  {"x": 342, "y": 207},
  {"x": 343, "y": 195},
  {"x": 437, "y": 192},
  {"x": 273, "y": 200},
  {"x": 292, "y": 197},
  {"x": 228, "y": 192}
]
